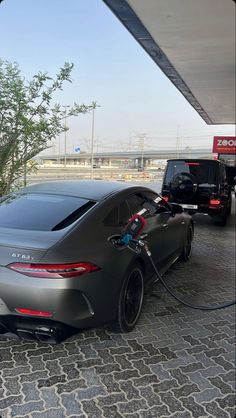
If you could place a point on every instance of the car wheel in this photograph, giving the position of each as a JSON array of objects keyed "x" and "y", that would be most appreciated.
[
  {"x": 187, "y": 248},
  {"x": 130, "y": 300},
  {"x": 221, "y": 220},
  {"x": 229, "y": 206}
]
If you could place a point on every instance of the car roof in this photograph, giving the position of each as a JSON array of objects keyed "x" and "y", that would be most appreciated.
[
  {"x": 205, "y": 160},
  {"x": 89, "y": 189}
]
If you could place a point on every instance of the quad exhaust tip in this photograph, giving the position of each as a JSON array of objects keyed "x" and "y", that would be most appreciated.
[
  {"x": 51, "y": 336},
  {"x": 46, "y": 335},
  {"x": 3, "y": 329}
]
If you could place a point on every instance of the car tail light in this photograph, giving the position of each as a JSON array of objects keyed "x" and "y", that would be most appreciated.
[
  {"x": 33, "y": 312},
  {"x": 166, "y": 198},
  {"x": 54, "y": 270},
  {"x": 192, "y": 164},
  {"x": 215, "y": 202}
]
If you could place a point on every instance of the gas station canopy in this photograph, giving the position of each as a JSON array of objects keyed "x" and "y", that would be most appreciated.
[{"x": 193, "y": 42}]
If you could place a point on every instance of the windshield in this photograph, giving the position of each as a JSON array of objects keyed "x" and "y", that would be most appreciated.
[{"x": 203, "y": 171}]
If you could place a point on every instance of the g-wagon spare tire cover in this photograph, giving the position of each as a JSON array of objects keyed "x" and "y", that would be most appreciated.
[{"x": 183, "y": 187}]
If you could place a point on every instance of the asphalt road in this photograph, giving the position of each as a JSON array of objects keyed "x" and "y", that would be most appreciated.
[{"x": 177, "y": 363}]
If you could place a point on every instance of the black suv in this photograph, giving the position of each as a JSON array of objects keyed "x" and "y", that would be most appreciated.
[{"x": 199, "y": 186}]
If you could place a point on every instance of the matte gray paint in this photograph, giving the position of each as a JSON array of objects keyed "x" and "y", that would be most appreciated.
[{"x": 73, "y": 300}]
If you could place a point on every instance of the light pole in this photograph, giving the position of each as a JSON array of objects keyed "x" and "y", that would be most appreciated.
[
  {"x": 65, "y": 144},
  {"x": 59, "y": 149},
  {"x": 92, "y": 137},
  {"x": 178, "y": 142},
  {"x": 142, "y": 138},
  {"x": 142, "y": 149},
  {"x": 92, "y": 143}
]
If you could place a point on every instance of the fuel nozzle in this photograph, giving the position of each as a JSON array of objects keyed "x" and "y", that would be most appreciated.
[
  {"x": 134, "y": 227},
  {"x": 130, "y": 234}
]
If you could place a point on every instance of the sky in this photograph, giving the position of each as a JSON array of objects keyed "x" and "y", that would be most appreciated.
[{"x": 136, "y": 99}]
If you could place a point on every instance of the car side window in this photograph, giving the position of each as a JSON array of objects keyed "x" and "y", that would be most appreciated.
[
  {"x": 135, "y": 203},
  {"x": 154, "y": 204},
  {"x": 118, "y": 216},
  {"x": 124, "y": 214},
  {"x": 147, "y": 204},
  {"x": 112, "y": 219}
]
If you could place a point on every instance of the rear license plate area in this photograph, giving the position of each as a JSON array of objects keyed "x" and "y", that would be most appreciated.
[{"x": 185, "y": 206}]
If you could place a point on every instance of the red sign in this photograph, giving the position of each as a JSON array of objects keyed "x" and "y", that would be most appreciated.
[{"x": 224, "y": 144}]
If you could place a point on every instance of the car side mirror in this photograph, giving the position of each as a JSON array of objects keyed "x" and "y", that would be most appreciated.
[{"x": 175, "y": 208}]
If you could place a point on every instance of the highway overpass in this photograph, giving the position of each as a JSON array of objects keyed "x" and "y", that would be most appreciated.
[{"x": 136, "y": 158}]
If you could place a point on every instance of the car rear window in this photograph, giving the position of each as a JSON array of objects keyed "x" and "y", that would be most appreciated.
[
  {"x": 204, "y": 172},
  {"x": 41, "y": 212}
]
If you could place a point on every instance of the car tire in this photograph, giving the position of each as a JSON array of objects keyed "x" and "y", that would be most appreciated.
[
  {"x": 187, "y": 248},
  {"x": 229, "y": 206},
  {"x": 221, "y": 220},
  {"x": 130, "y": 300}
]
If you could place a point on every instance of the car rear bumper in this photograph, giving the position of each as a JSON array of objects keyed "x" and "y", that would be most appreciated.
[
  {"x": 78, "y": 302},
  {"x": 202, "y": 208},
  {"x": 32, "y": 329}
]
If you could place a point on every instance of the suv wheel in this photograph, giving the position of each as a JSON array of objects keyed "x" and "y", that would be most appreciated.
[
  {"x": 221, "y": 219},
  {"x": 229, "y": 205}
]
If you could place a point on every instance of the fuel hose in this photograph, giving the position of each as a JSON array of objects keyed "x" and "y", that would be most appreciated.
[
  {"x": 121, "y": 242},
  {"x": 190, "y": 305}
]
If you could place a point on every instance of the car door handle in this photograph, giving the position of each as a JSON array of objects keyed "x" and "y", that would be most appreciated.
[
  {"x": 164, "y": 226},
  {"x": 183, "y": 222}
]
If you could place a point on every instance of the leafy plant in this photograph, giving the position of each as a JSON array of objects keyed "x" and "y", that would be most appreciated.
[{"x": 29, "y": 119}]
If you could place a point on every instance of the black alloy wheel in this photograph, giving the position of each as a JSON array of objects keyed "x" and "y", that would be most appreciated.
[
  {"x": 130, "y": 300},
  {"x": 187, "y": 249}
]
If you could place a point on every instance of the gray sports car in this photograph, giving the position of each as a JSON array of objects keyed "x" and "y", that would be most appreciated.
[{"x": 58, "y": 269}]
